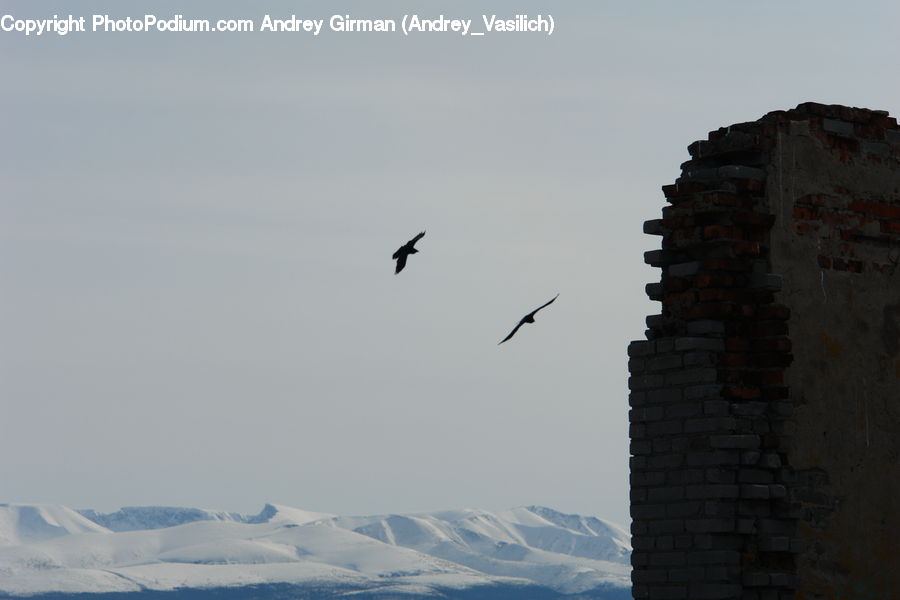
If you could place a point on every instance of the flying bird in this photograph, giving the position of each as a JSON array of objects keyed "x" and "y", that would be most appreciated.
[
  {"x": 404, "y": 251},
  {"x": 529, "y": 318}
]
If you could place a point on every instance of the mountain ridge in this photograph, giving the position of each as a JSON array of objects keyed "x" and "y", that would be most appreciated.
[{"x": 421, "y": 555}]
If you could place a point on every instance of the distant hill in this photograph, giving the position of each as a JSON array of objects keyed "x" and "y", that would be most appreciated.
[{"x": 283, "y": 552}]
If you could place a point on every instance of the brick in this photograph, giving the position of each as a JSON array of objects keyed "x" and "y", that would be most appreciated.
[
  {"x": 699, "y": 343},
  {"x": 648, "y": 511},
  {"x": 665, "y": 559},
  {"x": 664, "y": 428},
  {"x": 641, "y": 348},
  {"x": 683, "y": 269},
  {"x": 668, "y": 593},
  {"x": 648, "y": 479},
  {"x": 661, "y": 363},
  {"x": 711, "y": 491},
  {"x": 715, "y": 557},
  {"x": 683, "y": 509},
  {"x": 643, "y": 382},
  {"x": 703, "y": 392},
  {"x": 735, "y": 441},
  {"x": 696, "y": 375},
  {"x": 707, "y": 424},
  {"x": 837, "y": 127}
]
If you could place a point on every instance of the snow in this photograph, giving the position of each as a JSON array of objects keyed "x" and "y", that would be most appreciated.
[{"x": 45, "y": 548}]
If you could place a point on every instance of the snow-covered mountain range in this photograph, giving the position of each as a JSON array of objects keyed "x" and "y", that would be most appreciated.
[{"x": 285, "y": 552}]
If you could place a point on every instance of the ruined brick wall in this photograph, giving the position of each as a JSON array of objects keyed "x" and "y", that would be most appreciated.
[{"x": 765, "y": 402}]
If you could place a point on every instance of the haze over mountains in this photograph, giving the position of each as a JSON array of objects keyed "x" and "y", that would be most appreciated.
[{"x": 284, "y": 552}]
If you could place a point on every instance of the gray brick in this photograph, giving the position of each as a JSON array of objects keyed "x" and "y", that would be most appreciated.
[
  {"x": 708, "y": 424},
  {"x": 637, "y": 462},
  {"x": 741, "y": 172},
  {"x": 680, "y": 411},
  {"x": 683, "y": 269},
  {"x": 641, "y": 447},
  {"x": 717, "y": 457},
  {"x": 665, "y": 345},
  {"x": 710, "y": 525},
  {"x": 749, "y": 409},
  {"x": 662, "y": 363},
  {"x": 664, "y": 428},
  {"x": 665, "y": 494},
  {"x": 697, "y": 375},
  {"x": 775, "y": 544},
  {"x": 667, "y": 559},
  {"x": 766, "y": 281},
  {"x": 719, "y": 542},
  {"x": 687, "y": 574},
  {"x": 637, "y": 398},
  {"x": 699, "y": 343},
  {"x": 648, "y": 479},
  {"x": 664, "y": 395},
  {"x": 640, "y": 559},
  {"x": 777, "y": 491},
  {"x": 666, "y": 526},
  {"x": 839, "y": 127},
  {"x": 775, "y": 526},
  {"x": 720, "y": 508},
  {"x": 755, "y": 476},
  {"x": 649, "y": 576},
  {"x": 699, "y": 359},
  {"x": 879, "y": 148},
  {"x": 668, "y": 593},
  {"x": 735, "y": 441},
  {"x": 711, "y": 491},
  {"x": 892, "y": 136},
  {"x": 644, "y": 382},
  {"x": 641, "y": 348},
  {"x": 665, "y": 542},
  {"x": 704, "y": 392},
  {"x": 684, "y": 476},
  {"x": 648, "y": 511},
  {"x": 754, "y": 492},
  {"x": 705, "y": 326},
  {"x": 717, "y": 475},
  {"x": 668, "y": 461},
  {"x": 770, "y": 461},
  {"x": 717, "y": 408},
  {"x": 750, "y": 457},
  {"x": 637, "y": 366},
  {"x": 714, "y": 557},
  {"x": 683, "y": 509},
  {"x": 640, "y": 591},
  {"x": 715, "y": 591},
  {"x": 644, "y": 542},
  {"x": 637, "y": 431}
]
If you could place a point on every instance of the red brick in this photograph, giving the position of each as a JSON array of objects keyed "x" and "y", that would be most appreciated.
[
  {"x": 871, "y": 208},
  {"x": 744, "y": 248},
  {"x": 802, "y": 227},
  {"x": 890, "y": 227},
  {"x": 824, "y": 262},
  {"x": 805, "y": 213},
  {"x": 742, "y": 392}
]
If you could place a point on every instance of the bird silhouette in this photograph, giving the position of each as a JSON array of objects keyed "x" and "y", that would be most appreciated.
[
  {"x": 404, "y": 251},
  {"x": 529, "y": 318}
]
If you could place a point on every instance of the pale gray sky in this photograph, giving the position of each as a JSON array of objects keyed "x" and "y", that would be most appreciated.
[{"x": 198, "y": 305}]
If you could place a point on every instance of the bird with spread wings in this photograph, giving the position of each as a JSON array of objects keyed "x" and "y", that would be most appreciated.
[
  {"x": 529, "y": 318},
  {"x": 404, "y": 251}
]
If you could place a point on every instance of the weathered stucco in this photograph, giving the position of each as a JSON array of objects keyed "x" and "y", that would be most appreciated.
[{"x": 845, "y": 378}]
